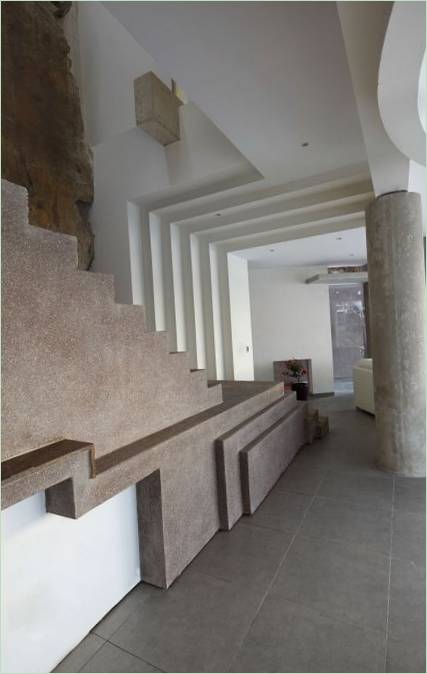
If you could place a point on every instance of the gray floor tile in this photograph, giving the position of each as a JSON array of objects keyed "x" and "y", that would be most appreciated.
[
  {"x": 410, "y": 495},
  {"x": 406, "y": 655},
  {"x": 287, "y": 637},
  {"x": 280, "y": 510},
  {"x": 116, "y": 617},
  {"x": 373, "y": 490},
  {"x": 409, "y": 537},
  {"x": 336, "y": 579},
  {"x": 81, "y": 654},
  {"x": 407, "y": 600},
  {"x": 194, "y": 626},
  {"x": 337, "y": 520},
  {"x": 109, "y": 658},
  {"x": 246, "y": 554},
  {"x": 348, "y": 447},
  {"x": 300, "y": 478},
  {"x": 325, "y": 611}
]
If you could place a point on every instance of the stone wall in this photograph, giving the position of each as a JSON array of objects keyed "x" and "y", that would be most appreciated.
[{"x": 43, "y": 145}]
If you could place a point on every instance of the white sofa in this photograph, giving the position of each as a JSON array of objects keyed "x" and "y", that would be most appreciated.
[{"x": 364, "y": 385}]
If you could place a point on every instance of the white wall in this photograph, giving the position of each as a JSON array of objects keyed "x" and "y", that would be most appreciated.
[
  {"x": 240, "y": 309},
  {"x": 110, "y": 60},
  {"x": 291, "y": 319},
  {"x": 60, "y": 576}
]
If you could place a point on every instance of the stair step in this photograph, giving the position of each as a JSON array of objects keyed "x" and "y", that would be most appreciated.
[
  {"x": 215, "y": 395},
  {"x": 133, "y": 318},
  {"x": 99, "y": 287}
]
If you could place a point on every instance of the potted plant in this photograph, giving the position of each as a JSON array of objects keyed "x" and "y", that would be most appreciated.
[{"x": 297, "y": 371}]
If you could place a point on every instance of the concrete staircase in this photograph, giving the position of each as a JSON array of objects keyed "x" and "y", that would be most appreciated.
[
  {"x": 93, "y": 404},
  {"x": 75, "y": 363}
]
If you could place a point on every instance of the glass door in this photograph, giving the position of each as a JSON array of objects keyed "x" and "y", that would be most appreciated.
[{"x": 348, "y": 332}]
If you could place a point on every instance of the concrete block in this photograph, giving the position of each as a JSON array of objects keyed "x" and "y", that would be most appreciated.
[
  {"x": 157, "y": 109},
  {"x": 310, "y": 421},
  {"x": 322, "y": 427},
  {"x": 263, "y": 461},
  {"x": 228, "y": 448}
]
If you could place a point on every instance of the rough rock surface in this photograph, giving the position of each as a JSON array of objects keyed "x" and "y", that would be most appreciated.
[{"x": 43, "y": 145}]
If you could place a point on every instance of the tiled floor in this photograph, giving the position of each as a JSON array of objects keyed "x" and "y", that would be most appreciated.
[{"x": 327, "y": 576}]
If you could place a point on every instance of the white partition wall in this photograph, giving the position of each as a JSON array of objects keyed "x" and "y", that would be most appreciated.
[
  {"x": 291, "y": 319},
  {"x": 240, "y": 310}
]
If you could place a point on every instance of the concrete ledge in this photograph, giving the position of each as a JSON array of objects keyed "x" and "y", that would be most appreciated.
[
  {"x": 62, "y": 469},
  {"x": 263, "y": 461}
]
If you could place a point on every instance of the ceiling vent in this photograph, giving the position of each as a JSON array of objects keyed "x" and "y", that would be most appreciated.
[{"x": 341, "y": 276}]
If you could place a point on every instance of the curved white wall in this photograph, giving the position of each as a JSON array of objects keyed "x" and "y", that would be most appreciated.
[{"x": 399, "y": 78}]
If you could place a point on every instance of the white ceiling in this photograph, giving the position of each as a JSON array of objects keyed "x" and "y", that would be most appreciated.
[
  {"x": 337, "y": 248},
  {"x": 270, "y": 75}
]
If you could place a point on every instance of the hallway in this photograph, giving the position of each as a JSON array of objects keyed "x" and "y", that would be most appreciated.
[{"x": 327, "y": 576}]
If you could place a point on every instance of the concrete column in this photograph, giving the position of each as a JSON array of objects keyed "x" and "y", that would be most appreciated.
[
  {"x": 367, "y": 320},
  {"x": 396, "y": 291}
]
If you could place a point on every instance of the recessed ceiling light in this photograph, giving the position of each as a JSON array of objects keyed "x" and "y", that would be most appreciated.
[
  {"x": 218, "y": 214},
  {"x": 271, "y": 250},
  {"x": 304, "y": 144},
  {"x": 339, "y": 238}
]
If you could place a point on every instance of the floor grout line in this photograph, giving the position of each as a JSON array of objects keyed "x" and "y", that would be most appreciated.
[
  {"x": 275, "y": 575},
  {"x": 147, "y": 662},
  {"x": 93, "y": 654},
  {"x": 341, "y": 500},
  {"x": 334, "y": 619},
  {"x": 389, "y": 575}
]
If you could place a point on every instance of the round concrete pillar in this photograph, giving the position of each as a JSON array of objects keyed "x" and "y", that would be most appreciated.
[{"x": 396, "y": 290}]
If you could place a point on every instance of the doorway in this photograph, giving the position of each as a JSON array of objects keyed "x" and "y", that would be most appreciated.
[{"x": 348, "y": 328}]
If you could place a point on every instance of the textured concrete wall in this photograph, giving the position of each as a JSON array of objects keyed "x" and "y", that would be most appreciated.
[
  {"x": 43, "y": 146},
  {"x": 68, "y": 346},
  {"x": 75, "y": 363},
  {"x": 179, "y": 502},
  {"x": 396, "y": 292}
]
